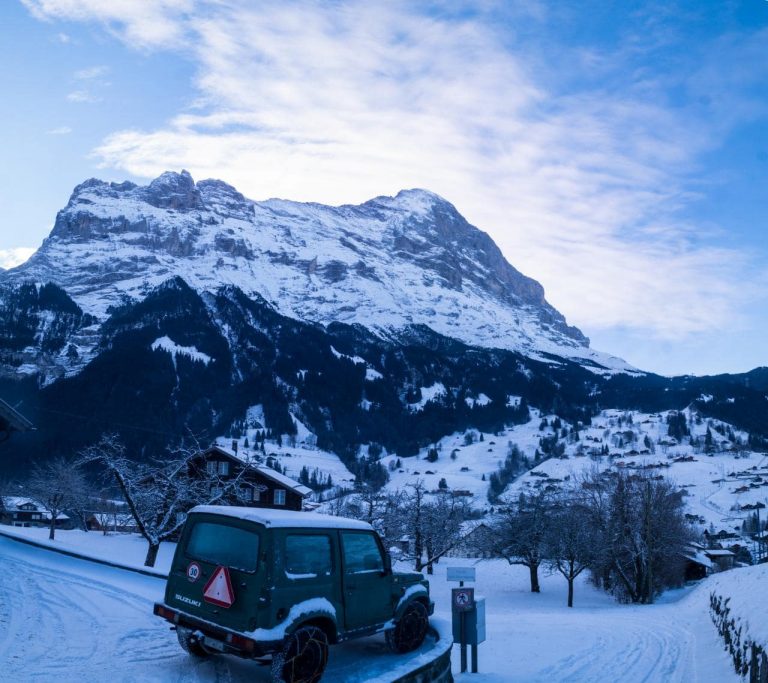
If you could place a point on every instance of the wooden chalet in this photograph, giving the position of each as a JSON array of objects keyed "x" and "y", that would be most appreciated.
[
  {"x": 26, "y": 512},
  {"x": 259, "y": 486}
]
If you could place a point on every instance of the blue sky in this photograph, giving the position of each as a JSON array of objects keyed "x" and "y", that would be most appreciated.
[{"x": 616, "y": 152}]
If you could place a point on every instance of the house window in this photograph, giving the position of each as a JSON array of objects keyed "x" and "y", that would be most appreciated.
[
  {"x": 216, "y": 490},
  {"x": 211, "y": 466},
  {"x": 256, "y": 495},
  {"x": 279, "y": 497},
  {"x": 246, "y": 493},
  {"x": 224, "y": 468}
]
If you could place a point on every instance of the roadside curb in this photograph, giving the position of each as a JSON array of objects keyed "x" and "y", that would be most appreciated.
[{"x": 87, "y": 558}]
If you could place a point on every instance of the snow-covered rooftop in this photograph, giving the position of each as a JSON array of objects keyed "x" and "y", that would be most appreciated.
[{"x": 283, "y": 519}]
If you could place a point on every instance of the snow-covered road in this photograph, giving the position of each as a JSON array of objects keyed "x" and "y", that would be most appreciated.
[{"x": 66, "y": 620}]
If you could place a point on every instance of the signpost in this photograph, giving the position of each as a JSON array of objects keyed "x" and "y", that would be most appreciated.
[
  {"x": 468, "y": 614},
  {"x": 461, "y": 574}
]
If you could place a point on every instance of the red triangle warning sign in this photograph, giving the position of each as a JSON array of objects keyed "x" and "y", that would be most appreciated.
[{"x": 218, "y": 590}]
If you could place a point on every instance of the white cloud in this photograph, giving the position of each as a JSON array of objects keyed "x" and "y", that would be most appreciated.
[
  {"x": 14, "y": 257},
  {"x": 64, "y": 38},
  {"x": 340, "y": 102},
  {"x": 61, "y": 130},
  {"x": 91, "y": 73},
  {"x": 83, "y": 96}
]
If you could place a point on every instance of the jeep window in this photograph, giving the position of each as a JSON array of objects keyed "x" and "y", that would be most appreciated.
[
  {"x": 224, "y": 545},
  {"x": 307, "y": 556},
  {"x": 361, "y": 553}
]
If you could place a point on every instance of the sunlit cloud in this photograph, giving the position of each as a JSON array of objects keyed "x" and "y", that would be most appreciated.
[
  {"x": 9, "y": 258},
  {"x": 62, "y": 130},
  {"x": 338, "y": 103}
]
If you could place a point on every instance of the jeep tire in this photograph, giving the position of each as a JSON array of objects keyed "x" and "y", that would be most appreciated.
[
  {"x": 190, "y": 643},
  {"x": 410, "y": 629},
  {"x": 303, "y": 657}
]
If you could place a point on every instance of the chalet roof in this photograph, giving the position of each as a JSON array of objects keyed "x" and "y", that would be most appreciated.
[
  {"x": 267, "y": 472},
  {"x": 283, "y": 519},
  {"x": 12, "y": 420},
  {"x": 698, "y": 558},
  {"x": 716, "y": 552}
]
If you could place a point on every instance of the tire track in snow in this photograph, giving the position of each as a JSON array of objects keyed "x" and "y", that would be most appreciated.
[{"x": 631, "y": 650}]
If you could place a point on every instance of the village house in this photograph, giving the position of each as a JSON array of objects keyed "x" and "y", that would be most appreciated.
[
  {"x": 721, "y": 558},
  {"x": 258, "y": 486},
  {"x": 26, "y": 512}
]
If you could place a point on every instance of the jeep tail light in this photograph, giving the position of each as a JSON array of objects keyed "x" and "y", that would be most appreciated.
[
  {"x": 166, "y": 613},
  {"x": 241, "y": 642}
]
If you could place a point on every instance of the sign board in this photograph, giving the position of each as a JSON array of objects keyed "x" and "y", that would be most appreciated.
[
  {"x": 218, "y": 590},
  {"x": 461, "y": 574},
  {"x": 193, "y": 571},
  {"x": 472, "y": 630},
  {"x": 462, "y": 599}
]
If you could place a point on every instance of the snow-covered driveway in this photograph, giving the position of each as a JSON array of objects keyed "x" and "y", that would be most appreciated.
[{"x": 66, "y": 620}]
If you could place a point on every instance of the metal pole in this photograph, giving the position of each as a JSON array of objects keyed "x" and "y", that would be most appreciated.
[
  {"x": 474, "y": 659},
  {"x": 463, "y": 645}
]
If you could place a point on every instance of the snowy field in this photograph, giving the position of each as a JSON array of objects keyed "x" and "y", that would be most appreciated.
[{"x": 70, "y": 620}]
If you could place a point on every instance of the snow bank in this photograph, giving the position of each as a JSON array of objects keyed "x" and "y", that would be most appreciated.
[{"x": 739, "y": 608}]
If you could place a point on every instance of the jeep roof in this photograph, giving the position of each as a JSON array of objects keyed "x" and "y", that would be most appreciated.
[{"x": 283, "y": 519}]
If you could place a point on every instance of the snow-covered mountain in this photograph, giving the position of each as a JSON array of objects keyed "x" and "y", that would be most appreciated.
[
  {"x": 153, "y": 311},
  {"x": 388, "y": 264}
]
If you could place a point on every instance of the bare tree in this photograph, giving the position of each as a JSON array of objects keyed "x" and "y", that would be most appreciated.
[
  {"x": 433, "y": 526},
  {"x": 442, "y": 527},
  {"x": 57, "y": 485},
  {"x": 571, "y": 540},
  {"x": 520, "y": 534},
  {"x": 159, "y": 494}
]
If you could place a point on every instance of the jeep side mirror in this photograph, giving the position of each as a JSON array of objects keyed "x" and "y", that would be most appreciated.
[{"x": 387, "y": 563}]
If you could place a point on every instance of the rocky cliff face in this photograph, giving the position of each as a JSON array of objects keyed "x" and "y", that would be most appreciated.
[{"x": 388, "y": 264}]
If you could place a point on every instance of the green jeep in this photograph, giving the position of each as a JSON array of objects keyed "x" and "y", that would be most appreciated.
[{"x": 256, "y": 582}]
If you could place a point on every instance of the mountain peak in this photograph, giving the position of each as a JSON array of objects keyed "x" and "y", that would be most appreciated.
[
  {"x": 173, "y": 190},
  {"x": 387, "y": 264}
]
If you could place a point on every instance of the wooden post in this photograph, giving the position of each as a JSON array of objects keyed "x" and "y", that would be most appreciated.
[
  {"x": 474, "y": 659},
  {"x": 463, "y": 646}
]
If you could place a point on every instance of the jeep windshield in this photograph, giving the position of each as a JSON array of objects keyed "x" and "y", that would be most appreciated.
[{"x": 224, "y": 545}]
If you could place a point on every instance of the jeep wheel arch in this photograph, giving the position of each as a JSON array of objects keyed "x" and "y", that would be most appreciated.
[{"x": 325, "y": 624}]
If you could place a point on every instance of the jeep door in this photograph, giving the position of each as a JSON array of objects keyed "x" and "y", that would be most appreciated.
[
  {"x": 208, "y": 544},
  {"x": 305, "y": 568},
  {"x": 367, "y": 581}
]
